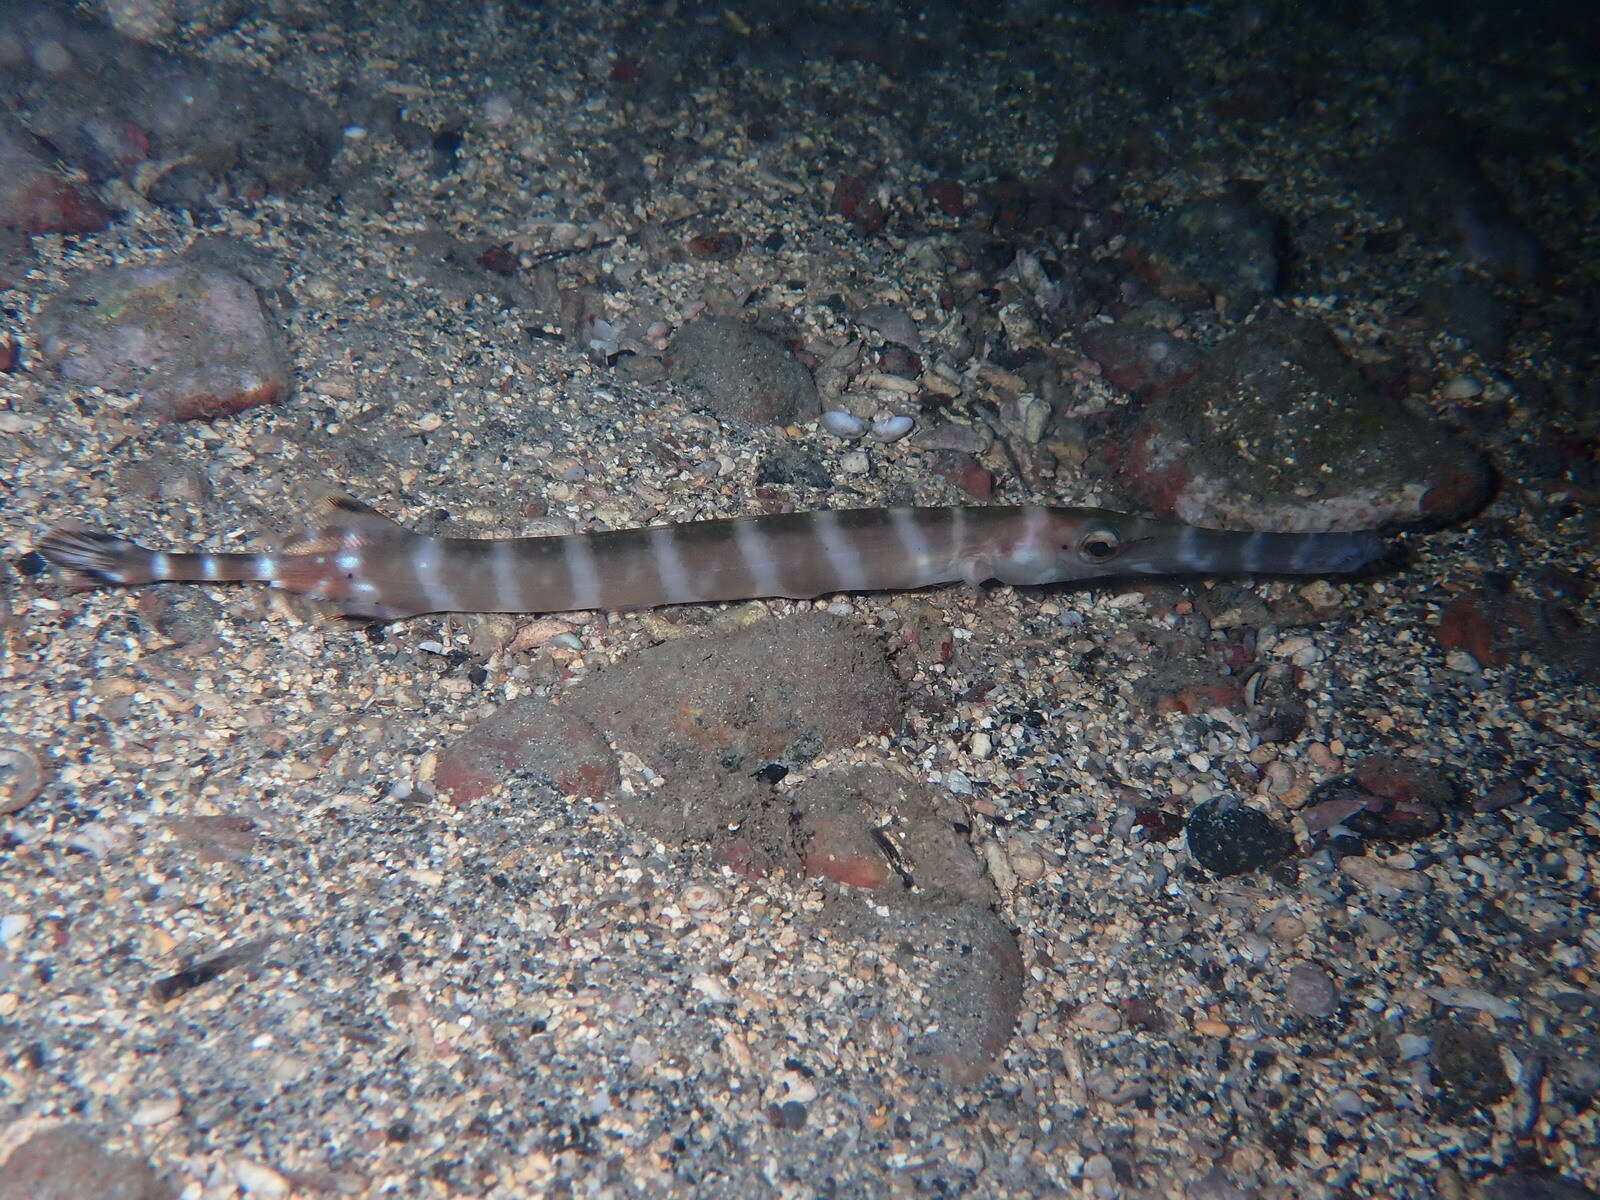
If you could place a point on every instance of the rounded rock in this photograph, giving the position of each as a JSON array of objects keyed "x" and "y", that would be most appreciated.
[
  {"x": 1310, "y": 991},
  {"x": 1227, "y": 838}
]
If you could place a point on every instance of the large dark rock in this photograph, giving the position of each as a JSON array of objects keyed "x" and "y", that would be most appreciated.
[
  {"x": 1278, "y": 430},
  {"x": 192, "y": 339},
  {"x": 743, "y": 374}
]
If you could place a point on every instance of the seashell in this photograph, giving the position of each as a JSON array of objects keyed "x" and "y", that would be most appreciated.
[
  {"x": 843, "y": 424},
  {"x": 891, "y": 429},
  {"x": 22, "y": 776}
]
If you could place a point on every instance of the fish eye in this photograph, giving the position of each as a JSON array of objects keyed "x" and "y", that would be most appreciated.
[{"x": 1099, "y": 545}]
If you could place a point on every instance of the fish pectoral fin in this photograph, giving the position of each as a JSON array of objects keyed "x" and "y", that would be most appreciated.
[
  {"x": 349, "y": 523},
  {"x": 976, "y": 569}
]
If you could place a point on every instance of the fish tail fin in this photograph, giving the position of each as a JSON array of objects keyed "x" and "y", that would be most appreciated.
[{"x": 95, "y": 558}]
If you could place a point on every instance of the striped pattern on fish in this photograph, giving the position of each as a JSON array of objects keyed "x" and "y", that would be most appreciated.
[{"x": 371, "y": 567}]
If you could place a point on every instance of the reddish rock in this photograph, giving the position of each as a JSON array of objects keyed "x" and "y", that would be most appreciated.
[
  {"x": 1198, "y": 697},
  {"x": 948, "y": 197},
  {"x": 33, "y": 197},
  {"x": 499, "y": 259},
  {"x": 10, "y": 355},
  {"x": 836, "y": 814},
  {"x": 1453, "y": 493},
  {"x": 1324, "y": 815},
  {"x": 719, "y": 246},
  {"x": 963, "y": 471},
  {"x": 1479, "y": 625},
  {"x": 193, "y": 339},
  {"x": 744, "y": 858},
  {"x": 853, "y": 201},
  {"x": 1386, "y": 797},
  {"x": 1158, "y": 824},
  {"x": 63, "y": 1162},
  {"x": 1394, "y": 778},
  {"x": 553, "y": 744},
  {"x": 1495, "y": 626},
  {"x": 1139, "y": 359},
  {"x": 839, "y": 846}
]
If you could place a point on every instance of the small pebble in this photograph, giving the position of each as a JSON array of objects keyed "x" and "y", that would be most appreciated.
[
  {"x": 1027, "y": 864},
  {"x": 259, "y": 1180},
  {"x": 1101, "y": 1018},
  {"x": 1474, "y": 998},
  {"x": 1346, "y": 1102},
  {"x": 1280, "y": 778},
  {"x": 712, "y": 988},
  {"x": 1310, "y": 991},
  {"x": 1412, "y": 1046},
  {"x": 156, "y": 1112},
  {"x": 1374, "y": 876},
  {"x": 703, "y": 899}
]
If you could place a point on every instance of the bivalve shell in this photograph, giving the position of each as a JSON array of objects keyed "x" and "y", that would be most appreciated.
[
  {"x": 842, "y": 424},
  {"x": 891, "y": 429}
]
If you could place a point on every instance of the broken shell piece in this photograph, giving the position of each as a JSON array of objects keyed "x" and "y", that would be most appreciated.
[
  {"x": 891, "y": 429},
  {"x": 843, "y": 424},
  {"x": 21, "y": 776}
]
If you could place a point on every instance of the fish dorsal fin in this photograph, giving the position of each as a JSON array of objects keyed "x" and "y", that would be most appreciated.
[{"x": 349, "y": 524}]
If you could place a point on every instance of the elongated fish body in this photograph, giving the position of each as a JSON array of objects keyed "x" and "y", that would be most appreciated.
[{"x": 370, "y": 567}]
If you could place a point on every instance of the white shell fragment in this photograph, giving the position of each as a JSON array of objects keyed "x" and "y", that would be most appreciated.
[
  {"x": 842, "y": 424},
  {"x": 891, "y": 429}
]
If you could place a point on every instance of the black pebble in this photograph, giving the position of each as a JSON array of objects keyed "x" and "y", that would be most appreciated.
[{"x": 1226, "y": 838}]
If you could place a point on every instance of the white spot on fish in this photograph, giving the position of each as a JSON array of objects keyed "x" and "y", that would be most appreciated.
[
  {"x": 581, "y": 571},
  {"x": 842, "y": 556},
  {"x": 669, "y": 564},
  {"x": 752, "y": 545}
]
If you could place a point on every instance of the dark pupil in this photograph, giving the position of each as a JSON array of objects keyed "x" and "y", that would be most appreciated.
[{"x": 1099, "y": 548}]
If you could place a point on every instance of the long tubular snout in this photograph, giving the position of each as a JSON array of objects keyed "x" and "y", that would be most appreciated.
[{"x": 1187, "y": 549}]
